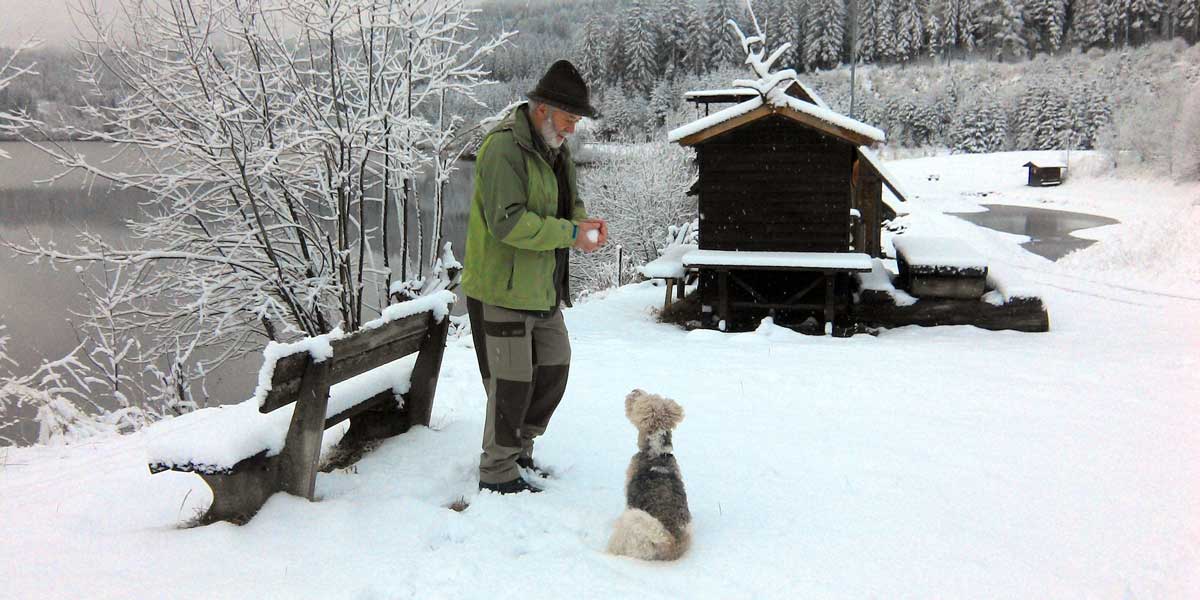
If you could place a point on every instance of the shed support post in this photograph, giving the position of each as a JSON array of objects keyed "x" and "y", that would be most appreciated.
[
  {"x": 829, "y": 297},
  {"x": 723, "y": 290}
]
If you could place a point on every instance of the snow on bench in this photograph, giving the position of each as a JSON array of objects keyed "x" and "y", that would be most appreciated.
[
  {"x": 187, "y": 443},
  {"x": 273, "y": 441},
  {"x": 670, "y": 264},
  {"x": 878, "y": 281},
  {"x": 838, "y": 261},
  {"x": 1007, "y": 288}
]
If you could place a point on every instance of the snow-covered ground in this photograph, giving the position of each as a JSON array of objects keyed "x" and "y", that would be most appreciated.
[{"x": 926, "y": 463}]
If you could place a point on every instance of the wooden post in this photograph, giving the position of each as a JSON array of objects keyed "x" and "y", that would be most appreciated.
[
  {"x": 419, "y": 399},
  {"x": 302, "y": 448},
  {"x": 829, "y": 298},
  {"x": 723, "y": 290},
  {"x": 667, "y": 301}
]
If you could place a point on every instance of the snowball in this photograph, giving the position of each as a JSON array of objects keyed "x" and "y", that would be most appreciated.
[{"x": 593, "y": 236}]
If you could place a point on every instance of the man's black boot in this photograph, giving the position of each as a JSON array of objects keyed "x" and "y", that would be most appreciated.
[
  {"x": 532, "y": 467},
  {"x": 515, "y": 486}
]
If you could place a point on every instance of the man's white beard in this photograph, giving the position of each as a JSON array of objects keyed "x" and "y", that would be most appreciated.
[{"x": 549, "y": 135}]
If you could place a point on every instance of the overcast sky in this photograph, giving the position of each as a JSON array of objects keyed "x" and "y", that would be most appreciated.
[
  {"x": 50, "y": 20},
  {"x": 47, "y": 19}
]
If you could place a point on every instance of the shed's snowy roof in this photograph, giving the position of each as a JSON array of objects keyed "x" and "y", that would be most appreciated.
[
  {"x": 747, "y": 92},
  {"x": 846, "y": 261},
  {"x": 714, "y": 119},
  {"x": 776, "y": 97}
]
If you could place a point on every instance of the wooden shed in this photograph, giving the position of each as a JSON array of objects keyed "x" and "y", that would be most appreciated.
[
  {"x": 782, "y": 175},
  {"x": 1044, "y": 175}
]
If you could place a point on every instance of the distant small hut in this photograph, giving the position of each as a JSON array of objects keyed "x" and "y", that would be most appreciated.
[
  {"x": 794, "y": 188},
  {"x": 1044, "y": 175}
]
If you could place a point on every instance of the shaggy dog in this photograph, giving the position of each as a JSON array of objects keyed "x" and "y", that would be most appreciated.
[{"x": 656, "y": 524}]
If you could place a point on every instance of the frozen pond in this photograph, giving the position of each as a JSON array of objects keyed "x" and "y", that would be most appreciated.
[{"x": 1049, "y": 230}]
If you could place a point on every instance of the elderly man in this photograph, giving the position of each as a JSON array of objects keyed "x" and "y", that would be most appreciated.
[{"x": 525, "y": 216}]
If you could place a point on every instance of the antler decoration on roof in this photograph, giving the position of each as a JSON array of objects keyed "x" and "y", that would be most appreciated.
[{"x": 755, "y": 47}]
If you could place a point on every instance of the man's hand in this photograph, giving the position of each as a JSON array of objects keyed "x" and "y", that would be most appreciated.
[
  {"x": 603, "y": 229},
  {"x": 590, "y": 236}
]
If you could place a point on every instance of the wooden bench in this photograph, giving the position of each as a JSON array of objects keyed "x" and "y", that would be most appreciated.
[
  {"x": 272, "y": 442},
  {"x": 828, "y": 265},
  {"x": 669, "y": 267}
]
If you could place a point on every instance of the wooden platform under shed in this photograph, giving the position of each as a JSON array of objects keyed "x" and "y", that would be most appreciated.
[{"x": 728, "y": 267}]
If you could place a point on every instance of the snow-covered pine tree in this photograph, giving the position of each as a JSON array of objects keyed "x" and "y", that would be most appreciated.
[
  {"x": 1090, "y": 112},
  {"x": 723, "y": 49},
  {"x": 1117, "y": 14},
  {"x": 868, "y": 31},
  {"x": 979, "y": 125},
  {"x": 1188, "y": 19},
  {"x": 591, "y": 49},
  {"x": 910, "y": 29},
  {"x": 674, "y": 43},
  {"x": 886, "y": 25},
  {"x": 698, "y": 36},
  {"x": 663, "y": 101},
  {"x": 825, "y": 29},
  {"x": 641, "y": 47},
  {"x": 616, "y": 52},
  {"x": 1144, "y": 18},
  {"x": 959, "y": 22},
  {"x": 1090, "y": 27},
  {"x": 1005, "y": 24},
  {"x": 1046, "y": 21},
  {"x": 789, "y": 30},
  {"x": 934, "y": 14}
]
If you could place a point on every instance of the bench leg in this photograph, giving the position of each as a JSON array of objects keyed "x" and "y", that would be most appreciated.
[
  {"x": 238, "y": 496},
  {"x": 418, "y": 402},
  {"x": 302, "y": 448},
  {"x": 667, "y": 300}
]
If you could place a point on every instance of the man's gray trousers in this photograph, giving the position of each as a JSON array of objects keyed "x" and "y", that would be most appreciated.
[{"x": 524, "y": 358}]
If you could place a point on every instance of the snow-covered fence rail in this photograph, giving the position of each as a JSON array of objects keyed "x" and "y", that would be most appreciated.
[{"x": 272, "y": 442}]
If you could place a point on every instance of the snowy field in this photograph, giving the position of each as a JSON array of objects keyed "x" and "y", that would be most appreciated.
[{"x": 921, "y": 463}]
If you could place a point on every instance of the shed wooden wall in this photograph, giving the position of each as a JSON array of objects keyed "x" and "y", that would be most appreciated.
[{"x": 775, "y": 185}]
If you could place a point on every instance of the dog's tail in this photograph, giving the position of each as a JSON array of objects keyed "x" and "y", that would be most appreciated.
[{"x": 639, "y": 535}]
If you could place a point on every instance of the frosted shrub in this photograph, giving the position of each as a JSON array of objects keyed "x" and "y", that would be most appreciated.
[
  {"x": 641, "y": 191},
  {"x": 1187, "y": 138}
]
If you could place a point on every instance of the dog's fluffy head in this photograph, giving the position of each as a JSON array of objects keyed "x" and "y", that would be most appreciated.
[{"x": 651, "y": 412}]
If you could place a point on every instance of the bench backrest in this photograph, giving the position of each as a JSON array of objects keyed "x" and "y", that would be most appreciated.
[{"x": 353, "y": 355}]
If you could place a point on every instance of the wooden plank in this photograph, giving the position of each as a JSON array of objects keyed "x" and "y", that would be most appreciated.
[
  {"x": 1024, "y": 315},
  {"x": 777, "y": 229},
  {"x": 352, "y": 355}
]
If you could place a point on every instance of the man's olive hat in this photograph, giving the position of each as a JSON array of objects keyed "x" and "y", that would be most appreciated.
[{"x": 563, "y": 87}]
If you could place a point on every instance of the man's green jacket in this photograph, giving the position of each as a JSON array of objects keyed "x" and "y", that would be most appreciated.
[{"x": 514, "y": 226}]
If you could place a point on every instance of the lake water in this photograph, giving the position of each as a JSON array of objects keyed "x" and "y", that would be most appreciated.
[
  {"x": 1049, "y": 230},
  {"x": 36, "y": 301}
]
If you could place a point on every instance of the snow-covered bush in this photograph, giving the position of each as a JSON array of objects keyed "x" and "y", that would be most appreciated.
[
  {"x": 641, "y": 191},
  {"x": 1187, "y": 137}
]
